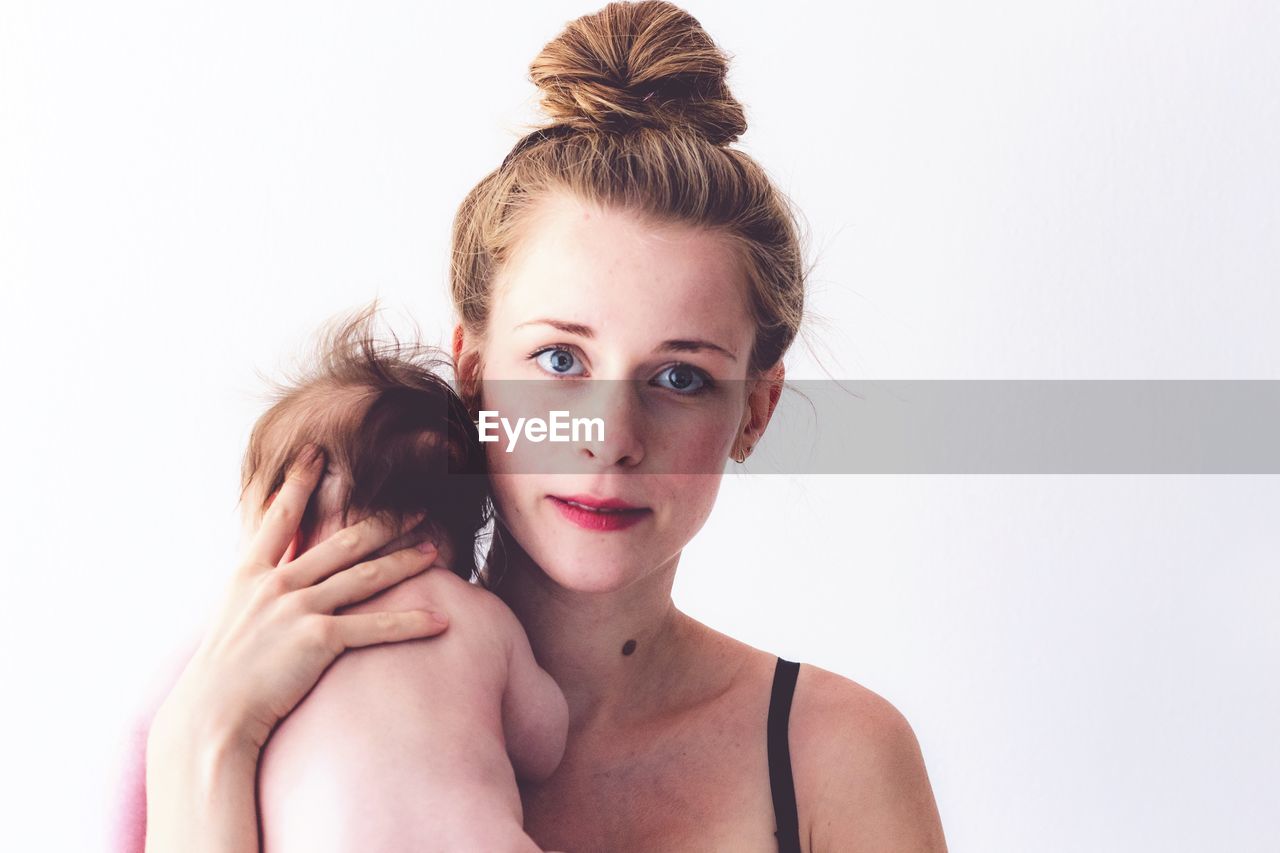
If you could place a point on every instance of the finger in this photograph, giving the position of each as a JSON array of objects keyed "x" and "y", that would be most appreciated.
[
  {"x": 355, "y": 630},
  {"x": 285, "y": 513},
  {"x": 344, "y": 548},
  {"x": 366, "y": 579},
  {"x": 292, "y": 550}
]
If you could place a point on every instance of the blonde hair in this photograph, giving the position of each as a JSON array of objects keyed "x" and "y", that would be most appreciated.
[{"x": 641, "y": 119}]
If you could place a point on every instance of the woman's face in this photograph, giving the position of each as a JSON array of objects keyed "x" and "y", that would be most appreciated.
[{"x": 657, "y": 310}]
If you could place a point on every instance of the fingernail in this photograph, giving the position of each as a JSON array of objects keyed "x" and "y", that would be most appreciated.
[
  {"x": 426, "y": 546},
  {"x": 437, "y": 617}
]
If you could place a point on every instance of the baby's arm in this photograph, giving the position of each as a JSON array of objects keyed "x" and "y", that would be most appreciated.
[{"x": 535, "y": 715}]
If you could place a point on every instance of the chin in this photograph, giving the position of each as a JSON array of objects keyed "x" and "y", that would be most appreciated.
[
  {"x": 597, "y": 573},
  {"x": 592, "y": 565},
  {"x": 585, "y": 561}
]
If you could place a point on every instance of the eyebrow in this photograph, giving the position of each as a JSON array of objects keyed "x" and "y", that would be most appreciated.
[{"x": 672, "y": 345}]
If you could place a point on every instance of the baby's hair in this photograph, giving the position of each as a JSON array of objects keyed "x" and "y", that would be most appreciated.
[{"x": 394, "y": 432}]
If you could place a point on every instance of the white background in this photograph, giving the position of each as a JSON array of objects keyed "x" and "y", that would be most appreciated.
[{"x": 993, "y": 190}]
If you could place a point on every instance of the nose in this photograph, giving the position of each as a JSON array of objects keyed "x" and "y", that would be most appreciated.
[{"x": 617, "y": 402}]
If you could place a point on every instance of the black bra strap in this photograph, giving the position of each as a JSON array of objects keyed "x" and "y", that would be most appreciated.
[{"x": 780, "y": 781}]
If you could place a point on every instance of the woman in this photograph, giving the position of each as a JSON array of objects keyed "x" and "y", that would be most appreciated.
[{"x": 624, "y": 241}]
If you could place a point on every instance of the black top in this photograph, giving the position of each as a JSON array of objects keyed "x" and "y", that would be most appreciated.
[{"x": 780, "y": 781}]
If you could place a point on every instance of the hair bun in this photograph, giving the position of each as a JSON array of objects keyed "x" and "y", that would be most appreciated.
[{"x": 647, "y": 64}]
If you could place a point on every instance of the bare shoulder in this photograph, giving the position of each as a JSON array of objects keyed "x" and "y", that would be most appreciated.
[
  {"x": 436, "y": 588},
  {"x": 477, "y": 608},
  {"x": 861, "y": 783}
]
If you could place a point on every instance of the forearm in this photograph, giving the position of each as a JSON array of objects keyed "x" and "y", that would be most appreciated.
[{"x": 200, "y": 790}]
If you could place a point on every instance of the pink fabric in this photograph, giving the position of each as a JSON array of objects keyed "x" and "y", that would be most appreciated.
[
  {"x": 130, "y": 824},
  {"x": 131, "y": 809}
]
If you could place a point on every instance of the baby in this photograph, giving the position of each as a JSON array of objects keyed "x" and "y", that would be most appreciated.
[
  {"x": 474, "y": 708},
  {"x": 458, "y": 717}
]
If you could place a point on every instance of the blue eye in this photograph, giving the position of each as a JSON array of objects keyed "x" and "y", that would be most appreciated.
[
  {"x": 560, "y": 363},
  {"x": 683, "y": 378}
]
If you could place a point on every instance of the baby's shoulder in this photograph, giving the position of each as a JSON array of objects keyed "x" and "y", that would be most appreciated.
[
  {"x": 444, "y": 583},
  {"x": 434, "y": 589},
  {"x": 449, "y": 587},
  {"x": 464, "y": 602}
]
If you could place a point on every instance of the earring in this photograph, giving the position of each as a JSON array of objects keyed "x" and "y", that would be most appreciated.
[{"x": 742, "y": 457}]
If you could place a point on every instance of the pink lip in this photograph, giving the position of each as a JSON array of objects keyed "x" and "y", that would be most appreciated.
[
  {"x": 603, "y": 521},
  {"x": 597, "y": 503}
]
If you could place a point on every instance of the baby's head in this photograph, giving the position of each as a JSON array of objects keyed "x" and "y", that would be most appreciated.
[{"x": 397, "y": 441}]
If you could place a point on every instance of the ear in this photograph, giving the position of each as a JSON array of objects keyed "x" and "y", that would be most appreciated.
[
  {"x": 465, "y": 356},
  {"x": 762, "y": 399},
  {"x": 459, "y": 339},
  {"x": 466, "y": 368}
]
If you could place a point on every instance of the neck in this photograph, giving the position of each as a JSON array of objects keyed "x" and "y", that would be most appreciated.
[{"x": 617, "y": 655}]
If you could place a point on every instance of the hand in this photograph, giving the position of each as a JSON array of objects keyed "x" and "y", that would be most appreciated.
[{"x": 277, "y": 631}]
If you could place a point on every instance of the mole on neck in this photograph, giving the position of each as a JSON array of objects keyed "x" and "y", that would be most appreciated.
[{"x": 628, "y": 647}]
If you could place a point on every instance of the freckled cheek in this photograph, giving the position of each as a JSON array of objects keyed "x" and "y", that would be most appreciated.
[
  {"x": 691, "y": 443},
  {"x": 512, "y": 493},
  {"x": 703, "y": 451},
  {"x": 497, "y": 458}
]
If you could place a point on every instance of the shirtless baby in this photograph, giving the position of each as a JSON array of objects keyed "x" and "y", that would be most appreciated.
[{"x": 458, "y": 717}]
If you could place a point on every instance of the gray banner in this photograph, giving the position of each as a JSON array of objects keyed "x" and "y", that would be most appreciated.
[{"x": 907, "y": 427}]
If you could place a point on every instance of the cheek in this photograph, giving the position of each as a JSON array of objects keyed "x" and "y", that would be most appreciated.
[
  {"x": 695, "y": 446},
  {"x": 508, "y": 492}
]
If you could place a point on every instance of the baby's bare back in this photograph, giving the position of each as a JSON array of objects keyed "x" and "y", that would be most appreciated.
[{"x": 402, "y": 746}]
